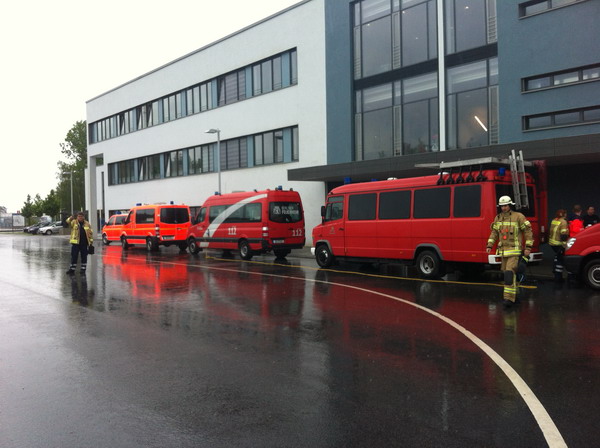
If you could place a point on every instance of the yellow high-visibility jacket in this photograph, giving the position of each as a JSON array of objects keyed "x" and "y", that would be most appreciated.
[
  {"x": 73, "y": 223},
  {"x": 559, "y": 232},
  {"x": 507, "y": 229}
]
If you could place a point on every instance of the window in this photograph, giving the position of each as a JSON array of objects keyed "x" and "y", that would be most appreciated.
[
  {"x": 469, "y": 24},
  {"x": 174, "y": 215},
  {"x": 473, "y": 104},
  {"x": 394, "y": 205},
  {"x": 285, "y": 212},
  {"x": 144, "y": 216},
  {"x": 335, "y": 208},
  {"x": 562, "y": 78},
  {"x": 538, "y": 6},
  {"x": 265, "y": 76},
  {"x": 362, "y": 206},
  {"x": 215, "y": 211},
  {"x": 432, "y": 203},
  {"x": 562, "y": 118},
  {"x": 467, "y": 201}
]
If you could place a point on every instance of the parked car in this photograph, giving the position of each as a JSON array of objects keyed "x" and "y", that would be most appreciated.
[
  {"x": 51, "y": 228},
  {"x": 112, "y": 229},
  {"x": 582, "y": 256},
  {"x": 34, "y": 229},
  {"x": 29, "y": 229}
]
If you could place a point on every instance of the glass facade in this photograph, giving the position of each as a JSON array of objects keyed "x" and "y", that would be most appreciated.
[
  {"x": 272, "y": 74},
  {"x": 266, "y": 148},
  {"x": 397, "y": 41}
]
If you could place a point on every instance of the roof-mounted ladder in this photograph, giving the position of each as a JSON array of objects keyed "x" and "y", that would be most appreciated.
[{"x": 515, "y": 162}]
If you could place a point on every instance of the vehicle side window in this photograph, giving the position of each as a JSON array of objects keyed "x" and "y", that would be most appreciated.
[
  {"x": 467, "y": 201},
  {"x": 362, "y": 206},
  {"x": 201, "y": 215},
  {"x": 215, "y": 211},
  {"x": 144, "y": 216},
  {"x": 334, "y": 209},
  {"x": 111, "y": 221},
  {"x": 173, "y": 215},
  {"x": 394, "y": 205},
  {"x": 432, "y": 203},
  {"x": 119, "y": 220}
]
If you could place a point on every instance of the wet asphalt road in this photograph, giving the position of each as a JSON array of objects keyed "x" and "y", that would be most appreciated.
[{"x": 173, "y": 350}]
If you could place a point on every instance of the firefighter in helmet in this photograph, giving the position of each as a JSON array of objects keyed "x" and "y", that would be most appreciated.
[{"x": 507, "y": 229}]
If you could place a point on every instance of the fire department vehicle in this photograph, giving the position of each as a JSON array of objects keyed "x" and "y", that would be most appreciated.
[
  {"x": 430, "y": 221},
  {"x": 156, "y": 225},
  {"x": 582, "y": 256},
  {"x": 250, "y": 222},
  {"x": 111, "y": 231}
]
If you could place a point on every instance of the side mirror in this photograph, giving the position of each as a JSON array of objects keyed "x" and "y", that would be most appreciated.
[{"x": 323, "y": 211}]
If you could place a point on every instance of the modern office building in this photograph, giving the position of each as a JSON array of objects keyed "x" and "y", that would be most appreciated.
[{"x": 331, "y": 91}]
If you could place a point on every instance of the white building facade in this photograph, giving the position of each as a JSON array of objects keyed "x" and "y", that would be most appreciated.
[{"x": 263, "y": 88}]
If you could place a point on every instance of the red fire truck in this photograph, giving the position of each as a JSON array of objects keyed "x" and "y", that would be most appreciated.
[
  {"x": 251, "y": 222},
  {"x": 430, "y": 221}
]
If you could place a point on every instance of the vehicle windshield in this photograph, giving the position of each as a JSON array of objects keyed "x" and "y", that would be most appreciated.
[
  {"x": 285, "y": 212},
  {"x": 174, "y": 215}
]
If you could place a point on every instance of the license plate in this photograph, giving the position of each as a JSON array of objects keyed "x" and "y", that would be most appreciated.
[{"x": 278, "y": 241}]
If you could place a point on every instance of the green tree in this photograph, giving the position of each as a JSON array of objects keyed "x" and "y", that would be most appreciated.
[
  {"x": 38, "y": 205},
  {"x": 27, "y": 209},
  {"x": 52, "y": 204}
]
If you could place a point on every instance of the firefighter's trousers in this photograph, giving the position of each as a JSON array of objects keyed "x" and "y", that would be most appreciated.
[{"x": 509, "y": 268}]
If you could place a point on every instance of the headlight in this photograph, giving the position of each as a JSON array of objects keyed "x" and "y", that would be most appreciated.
[{"x": 570, "y": 243}]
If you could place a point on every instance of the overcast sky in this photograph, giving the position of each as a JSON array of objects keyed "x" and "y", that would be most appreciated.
[{"x": 58, "y": 54}]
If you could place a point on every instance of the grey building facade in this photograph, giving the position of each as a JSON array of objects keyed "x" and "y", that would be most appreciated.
[{"x": 420, "y": 81}]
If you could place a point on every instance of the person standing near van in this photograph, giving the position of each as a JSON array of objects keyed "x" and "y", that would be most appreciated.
[
  {"x": 507, "y": 229},
  {"x": 559, "y": 234},
  {"x": 590, "y": 218},
  {"x": 82, "y": 238}
]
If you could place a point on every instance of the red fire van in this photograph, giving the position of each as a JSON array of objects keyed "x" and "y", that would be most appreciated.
[
  {"x": 250, "y": 222},
  {"x": 155, "y": 225},
  {"x": 112, "y": 229},
  {"x": 429, "y": 221},
  {"x": 582, "y": 256}
]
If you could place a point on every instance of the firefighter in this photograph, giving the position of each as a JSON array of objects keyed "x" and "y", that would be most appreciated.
[
  {"x": 507, "y": 228},
  {"x": 82, "y": 238},
  {"x": 559, "y": 234}
]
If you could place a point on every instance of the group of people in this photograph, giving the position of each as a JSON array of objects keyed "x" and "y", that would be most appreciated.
[
  {"x": 512, "y": 232},
  {"x": 562, "y": 228}
]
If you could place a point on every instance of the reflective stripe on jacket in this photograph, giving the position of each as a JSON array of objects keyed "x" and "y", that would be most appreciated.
[
  {"x": 507, "y": 229},
  {"x": 558, "y": 229},
  {"x": 74, "y": 224}
]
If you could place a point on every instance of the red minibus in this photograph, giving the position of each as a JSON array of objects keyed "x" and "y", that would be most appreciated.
[
  {"x": 156, "y": 225},
  {"x": 112, "y": 229},
  {"x": 251, "y": 222},
  {"x": 429, "y": 221}
]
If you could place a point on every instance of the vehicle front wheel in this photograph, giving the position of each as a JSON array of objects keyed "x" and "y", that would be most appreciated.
[
  {"x": 245, "y": 251},
  {"x": 124, "y": 243},
  {"x": 193, "y": 246},
  {"x": 429, "y": 264},
  {"x": 105, "y": 239},
  {"x": 591, "y": 274},
  {"x": 48, "y": 232},
  {"x": 324, "y": 256}
]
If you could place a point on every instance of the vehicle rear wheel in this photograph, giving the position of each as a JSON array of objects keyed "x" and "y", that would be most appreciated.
[
  {"x": 48, "y": 232},
  {"x": 324, "y": 256},
  {"x": 245, "y": 251},
  {"x": 105, "y": 239},
  {"x": 591, "y": 273},
  {"x": 429, "y": 264},
  {"x": 193, "y": 246},
  {"x": 281, "y": 253},
  {"x": 124, "y": 243},
  {"x": 151, "y": 244}
]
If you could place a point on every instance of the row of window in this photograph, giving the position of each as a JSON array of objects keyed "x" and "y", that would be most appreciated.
[
  {"x": 570, "y": 117},
  {"x": 538, "y": 6},
  {"x": 272, "y": 74},
  {"x": 429, "y": 203},
  {"x": 561, "y": 78},
  {"x": 402, "y": 117},
  {"x": 277, "y": 146},
  {"x": 390, "y": 34}
]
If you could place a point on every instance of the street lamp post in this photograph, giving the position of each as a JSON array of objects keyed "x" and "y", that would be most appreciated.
[
  {"x": 218, "y": 132},
  {"x": 71, "y": 174}
]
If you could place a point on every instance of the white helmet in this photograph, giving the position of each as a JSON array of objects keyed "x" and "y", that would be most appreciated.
[{"x": 505, "y": 200}]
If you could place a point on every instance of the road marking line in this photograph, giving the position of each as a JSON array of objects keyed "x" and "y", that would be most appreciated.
[{"x": 543, "y": 419}]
